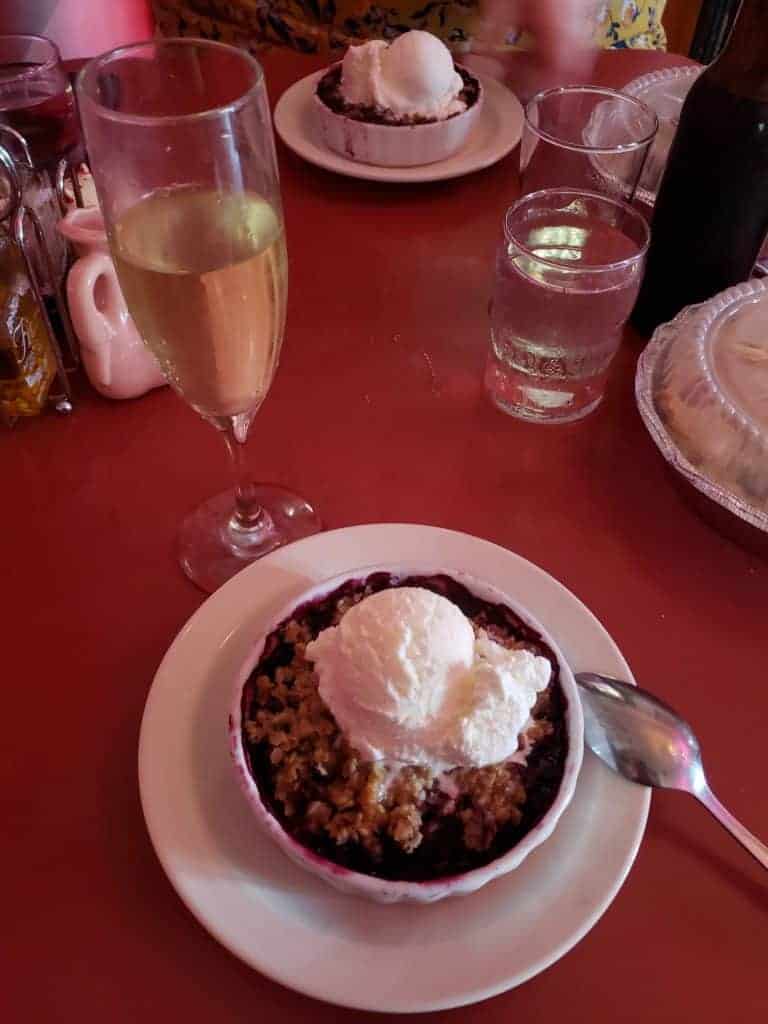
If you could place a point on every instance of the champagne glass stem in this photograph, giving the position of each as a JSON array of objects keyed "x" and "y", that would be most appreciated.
[{"x": 248, "y": 514}]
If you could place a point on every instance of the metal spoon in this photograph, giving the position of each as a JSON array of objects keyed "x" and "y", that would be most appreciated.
[{"x": 647, "y": 742}]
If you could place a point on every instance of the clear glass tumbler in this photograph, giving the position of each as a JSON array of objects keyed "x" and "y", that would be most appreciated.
[
  {"x": 585, "y": 137},
  {"x": 181, "y": 147},
  {"x": 567, "y": 274}
]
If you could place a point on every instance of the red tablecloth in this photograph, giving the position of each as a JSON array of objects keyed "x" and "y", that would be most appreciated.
[{"x": 377, "y": 414}]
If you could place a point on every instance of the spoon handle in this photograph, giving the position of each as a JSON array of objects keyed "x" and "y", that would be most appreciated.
[{"x": 751, "y": 843}]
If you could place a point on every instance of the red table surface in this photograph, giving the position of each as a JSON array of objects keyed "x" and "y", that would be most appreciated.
[{"x": 378, "y": 415}]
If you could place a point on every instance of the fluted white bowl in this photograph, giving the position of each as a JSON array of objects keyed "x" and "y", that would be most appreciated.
[
  {"x": 389, "y": 145},
  {"x": 385, "y": 890}
]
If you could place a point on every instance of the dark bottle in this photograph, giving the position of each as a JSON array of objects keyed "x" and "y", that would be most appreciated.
[{"x": 711, "y": 215}]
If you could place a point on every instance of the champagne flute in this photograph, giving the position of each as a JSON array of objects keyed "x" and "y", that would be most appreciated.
[{"x": 180, "y": 142}]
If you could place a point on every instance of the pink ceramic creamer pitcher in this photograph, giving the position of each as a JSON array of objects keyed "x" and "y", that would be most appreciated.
[{"x": 115, "y": 358}]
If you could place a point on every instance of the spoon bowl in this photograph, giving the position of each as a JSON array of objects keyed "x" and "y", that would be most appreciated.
[{"x": 643, "y": 739}]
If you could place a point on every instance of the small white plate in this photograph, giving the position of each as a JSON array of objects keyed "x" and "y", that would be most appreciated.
[
  {"x": 291, "y": 926},
  {"x": 496, "y": 133}
]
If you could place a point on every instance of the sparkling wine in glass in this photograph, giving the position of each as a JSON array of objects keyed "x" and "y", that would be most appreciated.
[
  {"x": 182, "y": 152},
  {"x": 36, "y": 99}
]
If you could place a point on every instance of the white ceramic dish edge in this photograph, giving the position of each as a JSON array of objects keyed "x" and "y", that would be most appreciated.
[{"x": 382, "y": 890}]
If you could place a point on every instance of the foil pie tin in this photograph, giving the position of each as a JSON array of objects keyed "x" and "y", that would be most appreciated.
[{"x": 702, "y": 391}]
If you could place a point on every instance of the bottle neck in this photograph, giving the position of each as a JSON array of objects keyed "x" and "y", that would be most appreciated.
[{"x": 742, "y": 67}]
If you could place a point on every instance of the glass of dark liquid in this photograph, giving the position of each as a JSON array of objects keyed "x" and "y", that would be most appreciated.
[{"x": 36, "y": 99}]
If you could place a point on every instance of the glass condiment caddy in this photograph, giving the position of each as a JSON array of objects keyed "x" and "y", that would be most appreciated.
[{"x": 32, "y": 368}]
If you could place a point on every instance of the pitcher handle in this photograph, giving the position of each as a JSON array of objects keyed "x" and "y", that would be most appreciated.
[{"x": 97, "y": 308}]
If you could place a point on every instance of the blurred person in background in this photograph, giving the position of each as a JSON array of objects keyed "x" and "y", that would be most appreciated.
[{"x": 536, "y": 41}]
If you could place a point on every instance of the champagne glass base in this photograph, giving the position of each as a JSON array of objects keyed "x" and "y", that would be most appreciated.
[{"x": 212, "y": 547}]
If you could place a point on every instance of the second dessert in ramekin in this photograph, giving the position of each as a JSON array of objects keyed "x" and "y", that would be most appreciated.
[{"x": 399, "y": 105}]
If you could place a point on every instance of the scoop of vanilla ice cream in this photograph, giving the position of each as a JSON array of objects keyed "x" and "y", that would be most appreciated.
[
  {"x": 413, "y": 77},
  {"x": 407, "y": 680},
  {"x": 361, "y": 65},
  {"x": 386, "y": 669},
  {"x": 418, "y": 77},
  {"x": 495, "y": 703}
]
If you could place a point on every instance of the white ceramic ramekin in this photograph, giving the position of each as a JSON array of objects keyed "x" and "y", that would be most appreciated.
[
  {"x": 387, "y": 145},
  {"x": 384, "y": 890}
]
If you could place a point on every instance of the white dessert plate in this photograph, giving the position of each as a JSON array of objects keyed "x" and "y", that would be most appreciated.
[
  {"x": 496, "y": 133},
  {"x": 293, "y": 927}
]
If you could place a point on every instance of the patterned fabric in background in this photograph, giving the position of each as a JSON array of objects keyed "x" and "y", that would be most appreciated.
[
  {"x": 632, "y": 23},
  {"x": 316, "y": 26}
]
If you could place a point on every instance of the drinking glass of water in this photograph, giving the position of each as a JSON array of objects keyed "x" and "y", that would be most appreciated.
[
  {"x": 181, "y": 148},
  {"x": 567, "y": 274},
  {"x": 586, "y": 137}
]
